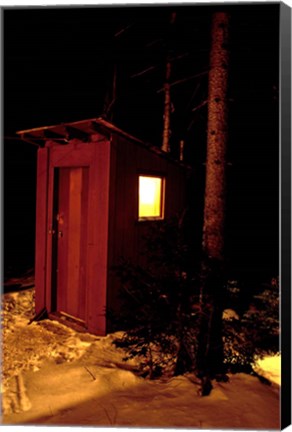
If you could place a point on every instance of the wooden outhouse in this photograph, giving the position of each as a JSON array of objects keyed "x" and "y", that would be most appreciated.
[{"x": 98, "y": 188}]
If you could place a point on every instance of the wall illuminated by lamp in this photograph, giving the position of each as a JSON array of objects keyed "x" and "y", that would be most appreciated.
[{"x": 151, "y": 197}]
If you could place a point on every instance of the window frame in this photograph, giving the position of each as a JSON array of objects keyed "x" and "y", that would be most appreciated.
[{"x": 162, "y": 197}]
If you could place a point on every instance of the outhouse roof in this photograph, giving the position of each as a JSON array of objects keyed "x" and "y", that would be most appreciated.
[
  {"x": 83, "y": 130},
  {"x": 64, "y": 132}
]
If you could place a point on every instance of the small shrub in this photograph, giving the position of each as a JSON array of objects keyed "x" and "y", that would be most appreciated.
[
  {"x": 157, "y": 313},
  {"x": 256, "y": 332}
]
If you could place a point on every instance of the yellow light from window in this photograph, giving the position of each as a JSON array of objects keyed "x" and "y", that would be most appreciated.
[{"x": 150, "y": 197}]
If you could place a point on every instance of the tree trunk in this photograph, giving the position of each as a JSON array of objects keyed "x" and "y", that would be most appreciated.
[
  {"x": 167, "y": 99},
  {"x": 210, "y": 351},
  {"x": 167, "y": 108},
  {"x": 214, "y": 212}
]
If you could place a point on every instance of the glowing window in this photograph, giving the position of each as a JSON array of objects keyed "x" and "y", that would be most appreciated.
[{"x": 151, "y": 197}]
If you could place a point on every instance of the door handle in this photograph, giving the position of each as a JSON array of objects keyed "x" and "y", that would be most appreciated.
[{"x": 60, "y": 234}]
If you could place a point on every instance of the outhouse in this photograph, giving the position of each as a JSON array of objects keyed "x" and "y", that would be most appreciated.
[{"x": 97, "y": 190}]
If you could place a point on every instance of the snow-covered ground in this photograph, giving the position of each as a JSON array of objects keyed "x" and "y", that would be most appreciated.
[{"x": 52, "y": 375}]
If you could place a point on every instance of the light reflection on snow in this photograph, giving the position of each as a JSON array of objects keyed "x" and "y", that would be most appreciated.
[{"x": 270, "y": 368}]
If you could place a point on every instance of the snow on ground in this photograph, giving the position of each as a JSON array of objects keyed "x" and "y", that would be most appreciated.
[
  {"x": 270, "y": 367},
  {"x": 52, "y": 375}
]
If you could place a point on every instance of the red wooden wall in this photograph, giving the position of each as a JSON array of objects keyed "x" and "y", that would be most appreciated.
[{"x": 128, "y": 161}]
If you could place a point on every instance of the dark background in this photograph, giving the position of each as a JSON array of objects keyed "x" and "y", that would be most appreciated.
[{"x": 58, "y": 67}]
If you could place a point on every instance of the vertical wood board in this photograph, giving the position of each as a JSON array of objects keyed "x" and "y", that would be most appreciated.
[
  {"x": 98, "y": 219},
  {"x": 41, "y": 231}
]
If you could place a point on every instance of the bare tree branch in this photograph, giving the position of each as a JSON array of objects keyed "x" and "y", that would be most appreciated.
[
  {"x": 153, "y": 67},
  {"x": 200, "y": 105},
  {"x": 121, "y": 31},
  {"x": 184, "y": 80},
  {"x": 153, "y": 42},
  {"x": 144, "y": 71}
]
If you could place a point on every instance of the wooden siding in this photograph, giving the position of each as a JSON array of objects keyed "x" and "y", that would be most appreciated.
[
  {"x": 41, "y": 229},
  {"x": 128, "y": 161},
  {"x": 98, "y": 216}
]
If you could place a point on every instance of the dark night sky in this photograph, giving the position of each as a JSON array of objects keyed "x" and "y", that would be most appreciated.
[{"x": 58, "y": 67}]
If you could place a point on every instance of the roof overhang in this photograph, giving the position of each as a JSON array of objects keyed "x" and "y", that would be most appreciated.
[
  {"x": 83, "y": 130},
  {"x": 64, "y": 132}
]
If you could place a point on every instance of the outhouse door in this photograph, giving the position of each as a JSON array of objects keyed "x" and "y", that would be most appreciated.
[
  {"x": 76, "y": 246},
  {"x": 70, "y": 249}
]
